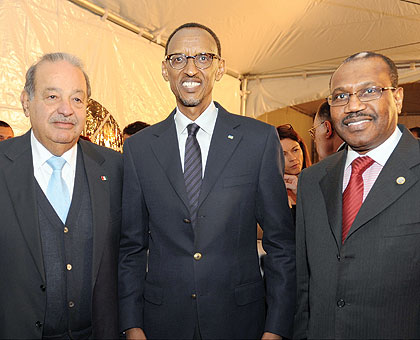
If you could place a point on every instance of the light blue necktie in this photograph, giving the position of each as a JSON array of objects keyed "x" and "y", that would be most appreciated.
[{"x": 57, "y": 191}]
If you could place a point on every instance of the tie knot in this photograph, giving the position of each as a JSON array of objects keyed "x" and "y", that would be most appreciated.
[
  {"x": 360, "y": 164},
  {"x": 56, "y": 163},
  {"x": 192, "y": 129}
]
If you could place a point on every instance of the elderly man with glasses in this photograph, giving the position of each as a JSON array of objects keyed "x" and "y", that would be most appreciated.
[
  {"x": 358, "y": 216},
  {"x": 195, "y": 187}
]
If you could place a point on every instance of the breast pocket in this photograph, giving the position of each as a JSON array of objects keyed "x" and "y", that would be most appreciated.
[{"x": 237, "y": 180}]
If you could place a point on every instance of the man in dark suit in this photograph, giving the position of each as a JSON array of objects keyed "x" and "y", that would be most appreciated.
[
  {"x": 195, "y": 186},
  {"x": 60, "y": 223},
  {"x": 358, "y": 220}
]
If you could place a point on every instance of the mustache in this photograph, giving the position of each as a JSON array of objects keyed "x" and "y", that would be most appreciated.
[
  {"x": 62, "y": 119},
  {"x": 357, "y": 115}
]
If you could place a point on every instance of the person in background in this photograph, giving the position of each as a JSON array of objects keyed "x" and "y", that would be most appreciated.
[
  {"x": 6, "y": 131},
  {"x": 132, "y": 128},
  {"x": 296, "y": 158},
  {"x": 60, "y": 208},
  {"x": 195, "y": 187},
  {"x": 358, "y": 216},
  {"x": 327, "y": 141},
  {"x": 415, "y": 131}
]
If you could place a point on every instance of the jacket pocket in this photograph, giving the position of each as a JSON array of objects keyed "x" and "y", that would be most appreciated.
[
  {"x": 152, "y": 293},
  {"x": 237, "y": 180},
  {"x": 249, "y": 292},
  {"x": 403, "y": 230}
]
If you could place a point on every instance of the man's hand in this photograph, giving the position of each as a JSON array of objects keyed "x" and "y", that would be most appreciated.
[
  {"x": 135, "y": 334},
  {"x": 271, "y": 336}
]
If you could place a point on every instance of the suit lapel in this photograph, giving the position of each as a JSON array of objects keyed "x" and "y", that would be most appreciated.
[
  {"x": 166, "y": 149},
  {"x": 225, "y": 139},
  {"x": 99, "y": 198},
  {"x": 386, "y": 190},
  {"x": 20, "y": 181},
  {"x": 331, "y": 186}
]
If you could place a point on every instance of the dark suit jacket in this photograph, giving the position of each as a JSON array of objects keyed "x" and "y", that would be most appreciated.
[
  {"x": 242, "y": 185},
  {"x": 22, "y": 298},
  {"x": 369, "y": 287}
]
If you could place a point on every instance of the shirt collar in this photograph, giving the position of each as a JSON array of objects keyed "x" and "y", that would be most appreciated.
[
  {"x": 381, "y": 153},
  {"x": 206, "y": 121},
  {"x": 40, "y": 154}
]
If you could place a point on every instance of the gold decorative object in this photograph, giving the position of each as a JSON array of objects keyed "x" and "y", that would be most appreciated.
[{"x": 101, "y": 128}]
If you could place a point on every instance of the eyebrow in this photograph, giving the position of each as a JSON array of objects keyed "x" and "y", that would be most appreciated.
[
  {"x": 57, "y": 89},
  {"x": 362, "y": 85}
]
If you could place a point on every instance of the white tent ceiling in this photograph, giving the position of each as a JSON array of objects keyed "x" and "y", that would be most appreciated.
[{"x": 287, "y": 49}]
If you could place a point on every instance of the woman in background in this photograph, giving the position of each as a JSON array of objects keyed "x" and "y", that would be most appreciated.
[{"x": 296, "y": 158}]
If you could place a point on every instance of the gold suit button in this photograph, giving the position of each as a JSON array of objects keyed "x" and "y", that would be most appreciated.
[
  {"x": 66, "y": 230},
  {"x": 69, "y": 266},
  {"x": 71, "y": 304},
  {"x": 197, "y": 256},
  {"x": 194, "y": 296}
]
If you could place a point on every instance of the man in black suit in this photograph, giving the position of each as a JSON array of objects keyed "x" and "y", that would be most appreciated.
[
  {"x": 358, "y": 218},
  {"x": 60, "y": 208},
  {"x": 195, "y": 187}
]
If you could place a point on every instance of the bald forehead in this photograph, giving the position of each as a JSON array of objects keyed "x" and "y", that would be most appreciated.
[{"x": 192, "y": 36}]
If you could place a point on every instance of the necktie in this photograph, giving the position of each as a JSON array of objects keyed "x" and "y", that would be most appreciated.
[
  {"x": 353, "y": 195},
  {"x": 57, "y": 191},
  {"x": 192, "y": 169}
]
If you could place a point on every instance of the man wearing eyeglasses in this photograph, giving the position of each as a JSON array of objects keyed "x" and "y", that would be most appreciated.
[
  {"x": 326, "y": 139},
  {"x": 196, "y": 185},
  {"x": 358, "y": 216}
]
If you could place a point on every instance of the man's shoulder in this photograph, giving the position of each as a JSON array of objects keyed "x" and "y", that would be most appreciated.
[{"x": 95, "y": 150}]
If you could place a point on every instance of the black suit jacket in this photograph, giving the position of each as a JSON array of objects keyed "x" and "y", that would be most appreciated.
[
  {"x": 242, "y": 185},
  {"x": 369, "y": 287},
  {"x": 22, "y": 296}
]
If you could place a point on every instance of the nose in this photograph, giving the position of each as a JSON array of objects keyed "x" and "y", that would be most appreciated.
[
  {"x": 65, "y": 107},
  {"x": 354, "y": 104},
  {"x": 190, "y": 69}
]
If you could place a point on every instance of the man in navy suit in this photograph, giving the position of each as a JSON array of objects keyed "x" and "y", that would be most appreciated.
[{"x": 188, "y": 259}]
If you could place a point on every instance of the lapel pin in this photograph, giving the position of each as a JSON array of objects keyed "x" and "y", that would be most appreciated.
[
  {"x": 400, "y": 180},
  {"x": 103, "y": 178},
  {"x": 230, "y": 136}
]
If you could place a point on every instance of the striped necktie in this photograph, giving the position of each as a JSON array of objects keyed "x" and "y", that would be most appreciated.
[{"x": 192, "y": 170}]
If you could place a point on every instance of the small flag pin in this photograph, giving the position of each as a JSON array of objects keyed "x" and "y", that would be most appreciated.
[
  {"x": 230, "y": 136},
  {"x": 103, "y": 178}
]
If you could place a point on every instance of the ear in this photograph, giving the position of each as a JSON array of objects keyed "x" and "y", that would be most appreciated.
[
  {"x": 164, "y": 71},
  {"x": 399, "y": 96},
  {"x": 24, "y": 99},
  {"x": 329, "y": 128},
  {"x": 220, "y": 69}
]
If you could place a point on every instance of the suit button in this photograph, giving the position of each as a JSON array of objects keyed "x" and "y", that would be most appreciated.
[
  {"x": 69, "y": 267},
  {"x": 42, "y": 287},
  {"x": 66, "y": 230},
  {"x": 197, "y": 256},
  {"x": 186, "y": 220},
  {"x": 38, "y": 324},
  {"x": 194, "y": 296},
  {"x": 71, "y": 304},
  {"x": 341, "y": 303}
]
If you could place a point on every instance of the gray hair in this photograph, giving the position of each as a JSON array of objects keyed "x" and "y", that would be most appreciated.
[{"x": 52, "y": 58}]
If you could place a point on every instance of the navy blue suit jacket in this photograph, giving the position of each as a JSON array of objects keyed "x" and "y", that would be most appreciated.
[{"x": 242, "y": 185}]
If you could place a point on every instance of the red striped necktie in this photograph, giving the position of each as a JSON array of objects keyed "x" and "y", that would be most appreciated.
[{"x": 353, "y": 195}]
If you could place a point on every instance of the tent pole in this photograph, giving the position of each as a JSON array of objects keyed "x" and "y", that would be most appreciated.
[{"x": 244, "y": 95}]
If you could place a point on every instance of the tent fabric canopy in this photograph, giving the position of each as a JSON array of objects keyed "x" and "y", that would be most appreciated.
[{"x": 288, "y": 49}]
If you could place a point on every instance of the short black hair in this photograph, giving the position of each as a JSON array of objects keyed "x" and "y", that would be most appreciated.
[
  {"x": 132, "y": 128},
  {"x": 196, "y": 25},
  {"x": 4, "y": 124},
  {"x": 393, "y": 71},
  {"x": 416, "y": 130},
  {"x": 324, "y": 112}
]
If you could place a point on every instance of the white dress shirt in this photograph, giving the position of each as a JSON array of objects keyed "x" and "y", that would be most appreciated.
[
  {"x": 380, "y": 156},
  {"x": 43, "y": 172},
  {"x": 206, "y": 121}
]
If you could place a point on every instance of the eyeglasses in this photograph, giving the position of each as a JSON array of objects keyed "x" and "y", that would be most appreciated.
[
  {"x": 201, "y": 60},
  {"x": 313, "y": 129},
  {"x": 364, "y": 95}
]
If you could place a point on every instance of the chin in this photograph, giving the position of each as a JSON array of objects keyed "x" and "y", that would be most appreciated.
[{"x": 191, "y": 102}]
